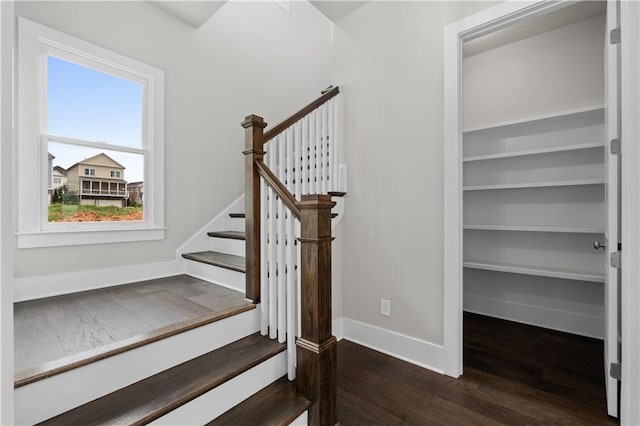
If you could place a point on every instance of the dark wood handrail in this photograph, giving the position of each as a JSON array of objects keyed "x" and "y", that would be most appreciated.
[
  {"x": 282, "y": 126},
  {"x": 278, "y": 187}
]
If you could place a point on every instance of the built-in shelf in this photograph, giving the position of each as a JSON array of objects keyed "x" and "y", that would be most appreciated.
[
  {"x": 536, "y": 270},
  {"x": 520, "y": 228},
  {"x": 578, "y": 182},
  {"x": 537, "y": 118},
  {"x": 538, "y": 151}
]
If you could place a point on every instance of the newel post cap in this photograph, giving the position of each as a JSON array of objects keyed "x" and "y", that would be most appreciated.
[
  {"x": 253, "y": 121},
  {"x": 316, "y": 201}
]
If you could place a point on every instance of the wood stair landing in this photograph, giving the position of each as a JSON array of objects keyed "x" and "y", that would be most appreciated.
[
  {"x": 61, "y": 333},
  {"x": 223, "y": 260},
  {"x": 277, "y": 404},
  {"x": 157, "y": 395}
]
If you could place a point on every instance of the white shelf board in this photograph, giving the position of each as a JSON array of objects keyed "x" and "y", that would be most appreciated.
[
  {"x": 522, "y": 228},
  {"x": 535, "y": 184},
  {"x": 538, "y": 151},
  {"x": 536, "y": 270},
  {"x": 536, "y": 118}
]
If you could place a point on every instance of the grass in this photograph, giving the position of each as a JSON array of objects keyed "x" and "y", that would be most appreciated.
[{"x": 61, "y": 212}]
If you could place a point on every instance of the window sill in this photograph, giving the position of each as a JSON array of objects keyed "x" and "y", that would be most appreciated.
[{"x": 84, "y": 237}]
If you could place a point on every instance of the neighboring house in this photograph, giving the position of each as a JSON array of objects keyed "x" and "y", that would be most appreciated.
[
  {"x": 98, "y": 181},
  {"x": 59, "y": 177},
  {"x": 136, "y": 191}
]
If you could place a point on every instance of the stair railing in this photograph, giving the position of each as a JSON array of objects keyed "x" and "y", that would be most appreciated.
[{"x": 287, "y": 193}]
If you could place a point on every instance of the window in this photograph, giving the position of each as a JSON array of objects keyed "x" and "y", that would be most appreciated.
[{"x": 96, "y": 114}]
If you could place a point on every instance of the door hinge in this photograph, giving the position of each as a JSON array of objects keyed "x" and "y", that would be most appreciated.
[
  {"x": 615, "y": 370},
  {"x": 614, "y": 36},
  {"x": 615, "y": 146},
  {"x": 615, "y": 259}
]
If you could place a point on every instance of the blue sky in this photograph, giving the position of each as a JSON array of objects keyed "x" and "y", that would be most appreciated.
[{"x": 83, "y": 103}]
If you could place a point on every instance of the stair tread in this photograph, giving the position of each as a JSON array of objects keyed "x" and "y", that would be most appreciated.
[
  {"x": 232, "y": 235},
  {"x": 157, "y": 395},
  {"x": 277, "y": 404},
  {"x": 223, "y": 260},
  {"x": 237, "y": 215}
]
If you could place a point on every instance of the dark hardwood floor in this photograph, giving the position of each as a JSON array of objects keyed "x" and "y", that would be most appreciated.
[{"x": 514, "y": 374}]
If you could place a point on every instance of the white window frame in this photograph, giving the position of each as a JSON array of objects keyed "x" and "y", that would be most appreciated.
[
  {"x": 114, "y": 174},
  {"x": 88, "y": 170},
  {"x": 35, "y": 43}
]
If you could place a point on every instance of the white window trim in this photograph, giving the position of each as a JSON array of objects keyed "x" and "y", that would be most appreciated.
[{"x": 34, "y": 42}]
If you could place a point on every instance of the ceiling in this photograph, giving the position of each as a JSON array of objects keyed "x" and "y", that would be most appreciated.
[
  {"x": 566, "y": 16},
  {"x": 195, "y": 13},
  {"x": 336, "y": 9}
]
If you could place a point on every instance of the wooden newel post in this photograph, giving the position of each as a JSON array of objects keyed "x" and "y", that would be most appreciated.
[
  {"x": 316, "y": 347},
  {"x": 254, "y": 127}
]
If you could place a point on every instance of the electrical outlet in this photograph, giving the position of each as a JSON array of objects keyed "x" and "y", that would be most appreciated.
[{"x": 385, "y": 307}]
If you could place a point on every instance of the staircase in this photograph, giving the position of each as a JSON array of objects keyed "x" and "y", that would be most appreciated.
[{"x": 234, "y": 360}]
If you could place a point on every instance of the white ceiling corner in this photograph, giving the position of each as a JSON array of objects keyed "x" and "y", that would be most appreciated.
[
  {"x": 336, "y": 9},
  {"x": 194, "y": 13}
]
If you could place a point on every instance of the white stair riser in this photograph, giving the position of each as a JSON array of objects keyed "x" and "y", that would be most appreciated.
[
  {"x": 49, "y": 397},
  {"x": 301, "y": 420},
  {"x": 227, "y": 245},
  {"x": 224, "y": 277},
  {"x": 226, "y": 396},
  {"x": 237, "y": 224}
]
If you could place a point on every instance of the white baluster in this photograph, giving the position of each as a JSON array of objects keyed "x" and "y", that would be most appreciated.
[
  {"x": 335, "y": 145},
  {"x": 305, "y": 154},
  {"x": 297, "y": 152},
  {"x": 292, "y": 297},
  {"x": 273, "y": 295},
  {"x": 282, "y": 331},
  {"x": 325, "y": 148},
  {"x": 264, "y": 284}
]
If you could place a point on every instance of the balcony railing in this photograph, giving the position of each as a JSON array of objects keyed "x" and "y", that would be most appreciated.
[{"x": 102, "y": 188}]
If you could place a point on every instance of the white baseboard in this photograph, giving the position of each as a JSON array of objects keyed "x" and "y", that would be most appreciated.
[
  {"x": 415, "y": 351},
  {"x": 337, "y": 328},
  {"x": 30, "y": 288},
  {"x": 570, "y": 322}
]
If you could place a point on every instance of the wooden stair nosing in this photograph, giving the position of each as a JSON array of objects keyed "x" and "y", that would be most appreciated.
[
  {"x": 231, "y": 235},
  {"x": 223, "y": 260},
  {"x": 155, "y": 396},
  {"x": 277, "y": 404}
]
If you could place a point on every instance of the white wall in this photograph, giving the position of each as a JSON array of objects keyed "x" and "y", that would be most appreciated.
[
  {"x": 248, "y": 58},
  {"x": 388, "y": 62},
  {"x": 553, "y": 71},
  {"x": 6, "y": 258}
]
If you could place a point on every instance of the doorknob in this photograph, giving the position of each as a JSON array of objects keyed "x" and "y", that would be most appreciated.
[{"x": 598, "y": 245}]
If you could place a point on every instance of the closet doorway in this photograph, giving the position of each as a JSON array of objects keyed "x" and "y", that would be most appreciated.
[{"x": 535, "y": 192}]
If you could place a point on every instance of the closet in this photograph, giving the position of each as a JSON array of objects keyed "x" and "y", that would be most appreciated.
[{"x": 534, "y": 172}]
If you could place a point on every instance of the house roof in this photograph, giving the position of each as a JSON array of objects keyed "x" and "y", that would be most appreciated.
[
  {"x": 139, "y": 183},
  {"x": 102, "y": 154},
  {"x": 60, "y": 170}
]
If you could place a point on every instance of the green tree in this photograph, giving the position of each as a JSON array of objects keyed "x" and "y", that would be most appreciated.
[{"x": 56, "y": 198}]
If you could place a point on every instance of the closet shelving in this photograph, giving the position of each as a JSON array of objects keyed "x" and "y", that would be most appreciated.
[
  {"x": 541, "y": 175},
  {"x": 539, "y": 271}
]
